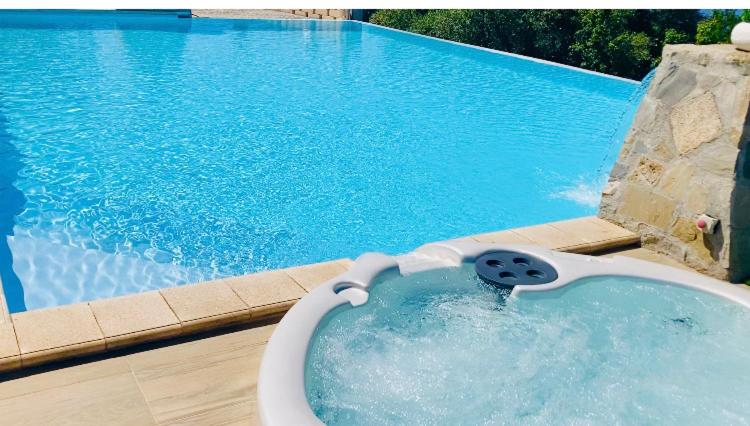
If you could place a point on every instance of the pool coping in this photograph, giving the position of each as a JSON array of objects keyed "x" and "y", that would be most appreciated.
[{"x": 47, "y": 335}]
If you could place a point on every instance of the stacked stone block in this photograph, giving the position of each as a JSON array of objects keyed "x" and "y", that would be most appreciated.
[
  {"x": 687, "y": 154},
  {"x": 321, "y": 13}
]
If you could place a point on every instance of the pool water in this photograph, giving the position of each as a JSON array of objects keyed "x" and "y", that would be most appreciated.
[
  {"x": 144, "y": 151},
  {"x": 442, "y": 347}
]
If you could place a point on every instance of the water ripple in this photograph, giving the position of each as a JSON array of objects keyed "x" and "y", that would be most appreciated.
[{"x": 221, "y": 148}]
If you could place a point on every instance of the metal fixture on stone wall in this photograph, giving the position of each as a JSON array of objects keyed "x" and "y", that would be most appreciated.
[
  {"x": 686, "y": 155},
  {"x": 706, "y": 223}
]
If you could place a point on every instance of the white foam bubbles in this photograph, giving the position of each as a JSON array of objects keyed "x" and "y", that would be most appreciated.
[
  {"x": 440, "y": 347},
  {"x": 584, "y": 192}
]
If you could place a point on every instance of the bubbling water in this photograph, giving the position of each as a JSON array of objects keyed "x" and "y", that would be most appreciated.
[{"x": 443, "y": 347}]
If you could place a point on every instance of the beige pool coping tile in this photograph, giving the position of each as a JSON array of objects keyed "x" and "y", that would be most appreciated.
[
  {"x": 592, "y": 228},
  {"x": 73, "y": 330},
  {"x": 266, "y": 292},
  {"x": 10, "y": 354},
  {"x": 311, "y": 276},
  {"x": 272, "y": 310},
  {"x": 206, "y": 305},
  {"x": 8, "y": 342},
  {"x": 58, "y": 332},
  {"x": 501, "y": 237},
  {"x": 346, "y": 262},
  {"x": 599, "y": 234},
  {"x": 4, "y": 314},
  {"x": 10, "y": 363},
  {"x": 548, "y": 236},
  {"x": 135, "y": 318},
  {"x": 581, "y": 235}
]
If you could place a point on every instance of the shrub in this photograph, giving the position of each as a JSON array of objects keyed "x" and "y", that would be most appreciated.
[
  {"x": 718, "y": 27},
  {"x": 672, "y": 36},
  {"x": 456, "y": 25},
  {"x": 400, "y": 19},
  {"x": 621, "y": 42}
]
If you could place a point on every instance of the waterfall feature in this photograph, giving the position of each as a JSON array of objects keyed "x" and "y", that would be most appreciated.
[{"x": 620, "y": 130}]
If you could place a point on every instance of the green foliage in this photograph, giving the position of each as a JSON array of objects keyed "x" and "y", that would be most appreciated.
[
  {"x": 554, "y": 31},
  {"x": 673, "y": 36},
  {"x": 456, "y": 25},
  {"x": 596, "y": 38},
  {"x": 621, "y": 42},
  {"x": 400, "y": 19},
  {"x": 630, "y": 51},
  {"x": 629, "y": 42},
  {"x": 718, "y": 27}
]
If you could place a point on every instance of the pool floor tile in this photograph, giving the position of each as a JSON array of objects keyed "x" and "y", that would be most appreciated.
[
  {"x": 111, "y": 400},
  {"x": 311, "y": 276},
  {"x": 135, "y": 318},
  {"x": 193, "y": 390},
  {"x": 208, "y": 304},
  {"x": 61, "y": 377},
  {"x": 241, "y": 414},
  {"x": 199, "y": 377},
  {"x": 266, "y": 288},
  {"x": 62, "y": 331}
]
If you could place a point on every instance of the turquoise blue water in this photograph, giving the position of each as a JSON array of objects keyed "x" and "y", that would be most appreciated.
[
  {"x": 146, "y": 151},
  {"x": 441, "y": 347}
]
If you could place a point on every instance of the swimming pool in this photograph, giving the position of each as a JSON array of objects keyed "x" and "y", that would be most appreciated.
[{"x": 146, "y": 151}]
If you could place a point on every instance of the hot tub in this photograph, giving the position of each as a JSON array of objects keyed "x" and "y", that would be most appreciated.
[{"x": 474, "y": 333}]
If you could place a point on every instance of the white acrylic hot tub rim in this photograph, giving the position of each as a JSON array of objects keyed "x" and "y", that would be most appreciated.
[{"x": 281, "y": 382}]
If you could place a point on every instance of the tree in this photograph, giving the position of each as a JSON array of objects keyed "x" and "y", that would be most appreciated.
[
  {"x": 554, "y": 32},
  {"x": 453, "y": 24},
  {"x": 627, "y": 43},
  {"x": 630, "y": 51},
  {"x": 718, "y": 27},
  {"x": 672, "y": 36},
  {"x": 401, "y": 19},
  {"x": 592, "y": 46}
]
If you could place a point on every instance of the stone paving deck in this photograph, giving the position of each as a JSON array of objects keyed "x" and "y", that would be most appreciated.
[{"x": 211, "y": 378}]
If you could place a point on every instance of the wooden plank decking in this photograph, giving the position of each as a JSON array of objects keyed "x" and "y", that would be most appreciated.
[{"x": 211, "y": 380}]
